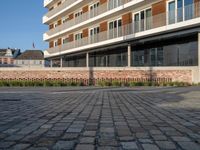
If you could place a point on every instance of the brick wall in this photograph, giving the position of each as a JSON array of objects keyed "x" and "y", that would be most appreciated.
[
  {"x": 158, "y": 11},
  {"x": 97, "y": 74}
]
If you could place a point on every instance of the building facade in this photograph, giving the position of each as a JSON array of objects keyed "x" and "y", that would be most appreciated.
[
  {"x": 7, "y": 57},
  {"x": 138, "y": 34},
  {"x": 31, "y": 59}
]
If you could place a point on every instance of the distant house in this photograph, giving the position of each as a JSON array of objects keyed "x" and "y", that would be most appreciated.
[
  {"x": 7, "y": 57},
  {"x": 30, "y": 58}
]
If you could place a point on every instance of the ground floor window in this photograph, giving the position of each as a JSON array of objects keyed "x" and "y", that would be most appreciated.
[
  {"x": 178, "y": 52},
  {"x": 110, "y": 58},
  {"x": 74, "y": 61}
]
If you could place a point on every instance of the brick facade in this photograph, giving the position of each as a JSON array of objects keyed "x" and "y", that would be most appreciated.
[
  {"x": 85, "y": 74},
  {"x": 158, "y": 11},
  {"x": 103, "y": 26},
  {"x": 85, "y": 9},
  {"x": 127, "y": 18}
]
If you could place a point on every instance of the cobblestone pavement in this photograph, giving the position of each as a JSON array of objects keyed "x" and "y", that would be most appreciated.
[{"x": 102, "y": 119}]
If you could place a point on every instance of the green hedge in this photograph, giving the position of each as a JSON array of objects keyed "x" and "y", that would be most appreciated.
[
  {"x": 103, "y": 83},
  {"x": 14, "y": 83},
  {"x": 133, "y": 84}
]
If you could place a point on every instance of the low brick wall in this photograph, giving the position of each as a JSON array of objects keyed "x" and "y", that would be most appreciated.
[{"x": 122, "y": 74}]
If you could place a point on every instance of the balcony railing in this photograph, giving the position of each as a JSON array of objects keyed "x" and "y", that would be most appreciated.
[
  {"x": 85, "y": 16},
  {"x": 67, "y": 3},
  {"x": 46, "y": 2},
  {"x": 193, "y": 11}
]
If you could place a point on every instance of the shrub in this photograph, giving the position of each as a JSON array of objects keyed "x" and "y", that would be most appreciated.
[
  {"x": 116, "y": 83},
  {"x": 16, "y": 83},
  {"x": 104, "y": 83}
]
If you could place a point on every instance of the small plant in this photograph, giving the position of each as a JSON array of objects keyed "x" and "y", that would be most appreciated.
[{"x": 116, "y": 83}]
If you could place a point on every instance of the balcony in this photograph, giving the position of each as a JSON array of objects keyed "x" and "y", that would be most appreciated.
[
  {"x": 58, "y": 9},
  {"x": 150, "y": 25},
  {"x": 105, "y": 7},
  {"x": 47, "y": 2}
]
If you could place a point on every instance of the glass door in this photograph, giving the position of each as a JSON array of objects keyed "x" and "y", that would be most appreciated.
[
  {"x": 189, "y": 9},
  {"x": 171, "y": 12},
  {"x": 179, "y": 10},
  {"x": 115, "y": 29},
  {"x": 94, "y": 35}
]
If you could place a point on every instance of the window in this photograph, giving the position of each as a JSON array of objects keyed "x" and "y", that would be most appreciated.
[
  {"x": 55, "y": 43},
  {"x": 167, "y": 53},
  {"x": 114, "y": 3},
  {"x": 115, "y": 28},
  {"x": 65, "y": 40},
  {"x": 143, "y": 20},
  {"x": 65, "y": 20},
  {"x": 59, "y": 3},
  {"x": 55, "y": 25},
  {"x": 78, "y": 14},
  {"x": 74, "y": 61},
  {"x": 171, "y": 12},
  {"x": 94, "y": 34},
  {"x": 94, "y": 10},
  {"x": 78, "y": 36},
  {"x": 50, "y": 9},
  {"x": 180, "y": 10},
  {"x": 189, "y": 9},
  {"x": 110, "y": 58}
]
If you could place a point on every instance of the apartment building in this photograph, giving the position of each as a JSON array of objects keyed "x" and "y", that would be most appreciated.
[{"x": 135, "y": 34}]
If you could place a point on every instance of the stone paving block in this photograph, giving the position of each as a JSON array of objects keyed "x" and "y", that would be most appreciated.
[
  {"x": 74, "y": 130},
  {"x": 107, "y": 142},
  {"x": 45, "y": 142},
  {"x": 85, "y": 147},
  {"x": 20, "y": 146},
  {"x": 87, "y": 140},
  {"x": 166, "y": 145},
  {"x": 181, "y": 139},
  {"x": 38, "y": 148},
  {"x": 127, "y": 138},
  {"x": 14, "y": 138},
  {"x": 129, "y": 145},
  {"x": 64, "y": 145},
  {"x": 150, "y": 147},
  {"x": 108, "y": 148},
  {"x": 70, "y": 136},
  {"x": 189, "y": 145},
  {"x": 6, "y": 145},
  {"x": 89, "y": 133}
]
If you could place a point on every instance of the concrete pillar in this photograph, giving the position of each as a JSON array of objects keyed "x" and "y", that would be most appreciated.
[
  {"x": 129, "y": 55},
  {"x": 61, "y": 62},
  {"x": 51, "y": 63},
  {"x": 199, "y": 56},
  {"x": 87, "y": 60}
]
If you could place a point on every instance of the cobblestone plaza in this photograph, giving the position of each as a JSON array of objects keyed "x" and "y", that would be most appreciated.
[{"x": 100, "y": 118}]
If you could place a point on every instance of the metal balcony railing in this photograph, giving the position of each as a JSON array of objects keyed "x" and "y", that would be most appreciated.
[
  {"x": 85, "y": 16},
  {"x": 190, "y": 12},
  {"x": 67, "y": 3},
  {"x": 46, "y": 2}
]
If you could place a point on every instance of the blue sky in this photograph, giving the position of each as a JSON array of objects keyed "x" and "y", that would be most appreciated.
[{"x": 21, "y": 24}]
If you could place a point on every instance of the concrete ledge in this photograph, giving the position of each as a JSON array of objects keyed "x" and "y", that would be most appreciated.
[{"x": 97, "y": 68}]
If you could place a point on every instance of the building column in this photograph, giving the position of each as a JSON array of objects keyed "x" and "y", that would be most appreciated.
[
  {"x": 51, "y": 63},
  {"x": 199, "y": 57},
  {"x": 61, "y": 62},
  {"x": 129, "y": 55},
  {"x": 87, "y": 60}
]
